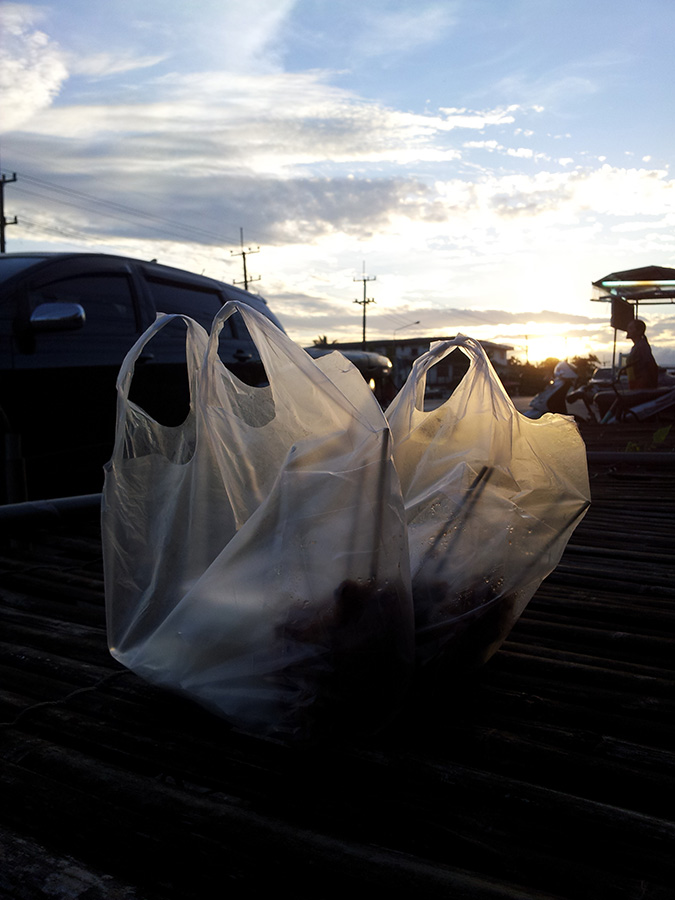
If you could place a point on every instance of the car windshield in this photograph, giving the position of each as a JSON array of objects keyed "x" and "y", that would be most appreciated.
[{"x": 10, "y": 265}]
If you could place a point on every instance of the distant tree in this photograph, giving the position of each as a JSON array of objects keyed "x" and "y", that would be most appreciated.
[
  {"x": 585, "y": 366},
  {"x": 322, "y": 341},
  {"x": 529, "y": 379},
  {"x": 547, "y": 368}
]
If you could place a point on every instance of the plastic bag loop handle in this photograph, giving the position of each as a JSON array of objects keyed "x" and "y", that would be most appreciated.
[
  {"x": 469, "y": 346},
  {"x": 259, "y": 327},
  {"x": 126, "y": 372},
  {"x": 256, "y": 323},
  {"x": 193, "y": 355}
]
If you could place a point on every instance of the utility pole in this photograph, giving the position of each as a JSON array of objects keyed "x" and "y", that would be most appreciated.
[
  {"x": 3, "y": 221},
  {"x": 365, "y": 278},
  {"x": 243, "y": 253}
]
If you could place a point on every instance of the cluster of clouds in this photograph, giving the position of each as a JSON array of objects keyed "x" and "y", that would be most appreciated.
[
  {"x": 32, "y": 67},
  {"x": 468, "y": 197}
]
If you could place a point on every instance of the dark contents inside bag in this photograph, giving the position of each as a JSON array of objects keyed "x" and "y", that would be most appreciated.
[
  {"x": 459, "y": 632},
  {"x": 358, "y": 664}
]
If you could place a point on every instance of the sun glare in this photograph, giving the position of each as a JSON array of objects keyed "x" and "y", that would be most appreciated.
[{"x": 556, "y": 346}]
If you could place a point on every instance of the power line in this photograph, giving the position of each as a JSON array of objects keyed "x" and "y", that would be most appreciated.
[
  {"x": 121, "y": 213},
  {"x": 30, "y": 225},
  {"x": 113, "y": 209},
  {"x": 80, "y": 237}
]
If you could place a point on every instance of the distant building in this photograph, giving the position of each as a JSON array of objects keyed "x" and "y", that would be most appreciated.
[{"x": 444, "y": 376}]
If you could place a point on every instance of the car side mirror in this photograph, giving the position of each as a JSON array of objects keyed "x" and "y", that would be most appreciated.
[{"x": 57, "y": 317}]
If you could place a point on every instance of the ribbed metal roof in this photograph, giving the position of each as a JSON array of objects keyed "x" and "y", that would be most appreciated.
[{"x": 548, "y": 774}]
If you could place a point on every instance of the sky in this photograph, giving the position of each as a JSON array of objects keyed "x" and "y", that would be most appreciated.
[{"x": 480, "y": 162}]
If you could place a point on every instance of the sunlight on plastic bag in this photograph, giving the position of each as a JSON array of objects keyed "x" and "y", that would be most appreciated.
[
  {"x": 491, "y": 500},
  {"x": 256, "y": 556},
  {"x": 287, "y": 555}
]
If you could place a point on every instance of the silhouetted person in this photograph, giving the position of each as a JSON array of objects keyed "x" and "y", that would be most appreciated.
[{"x": 641, "y": 367}]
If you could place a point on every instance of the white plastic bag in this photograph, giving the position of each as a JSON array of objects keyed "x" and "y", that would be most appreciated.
[
  {"x": 491, "y": 500},
  {"x": 256, "y": 556}
]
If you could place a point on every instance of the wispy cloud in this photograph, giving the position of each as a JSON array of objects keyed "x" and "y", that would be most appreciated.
[
  {"x": 383, "y": 32},
  {"x": 103, "y": 65}
]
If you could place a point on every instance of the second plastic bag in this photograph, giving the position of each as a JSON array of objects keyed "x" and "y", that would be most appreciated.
[
  {"x": 256, "y": 557},
  {"x": 491, "y": 500}
]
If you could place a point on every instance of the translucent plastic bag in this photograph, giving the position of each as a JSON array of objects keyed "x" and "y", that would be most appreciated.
[
  {"x": 256, "y": 556},
  {"x": 491, "y": 500}
]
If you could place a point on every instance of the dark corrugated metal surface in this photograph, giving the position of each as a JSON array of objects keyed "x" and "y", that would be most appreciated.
[{"x": 547, "y": 775}]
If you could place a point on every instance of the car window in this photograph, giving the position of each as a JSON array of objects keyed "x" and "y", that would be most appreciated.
[
  {"x": 10, "y": 265},
  {"x": 235, "y": 345},
  {"x": 179, "y": 297},
  {"x": 111, "y": 323}
]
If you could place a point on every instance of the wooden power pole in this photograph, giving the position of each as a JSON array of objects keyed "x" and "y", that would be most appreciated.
[
  {"x": 244, "y": 253},
  {"x": 364, "y": 303},
  {"x": 4, "y": 179}
]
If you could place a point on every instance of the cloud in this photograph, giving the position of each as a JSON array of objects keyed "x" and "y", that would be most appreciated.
[
  {"x": 553, "y": 91},
  {"x": 280, "y": 211},
  {"x": 270, "y": 124},
  {"x": 305, "y": 315},
  {"x": 238, "y": 37},
  {"x": 102, "y": 65},
  {"x": 620, "y": 191},
  {"x": 468, "y": 318},
  {"x": 387, "y": 33},
  {"x": 32, "y": 66},
  {"x": 482, "y": 145},
  {"x": 465, "y": 118}
]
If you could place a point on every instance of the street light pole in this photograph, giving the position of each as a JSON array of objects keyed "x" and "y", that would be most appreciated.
[{"x": 401, "y": 327}]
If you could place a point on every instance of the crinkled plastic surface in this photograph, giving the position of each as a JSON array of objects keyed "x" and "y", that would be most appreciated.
[
  {"x": 265, "y": 557},
  {"x": 256, "y": 556},
  {"x": 491, "y": 500}
]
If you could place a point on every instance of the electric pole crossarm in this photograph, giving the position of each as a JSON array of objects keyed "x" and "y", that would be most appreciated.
[
  {"x": 244, "y": 253},
  {"x": 364, "y": 303}
]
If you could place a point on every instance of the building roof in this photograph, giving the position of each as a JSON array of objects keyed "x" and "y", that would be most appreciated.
[
  {"x": 414, "y": 341},
  {"x": 547, "y": 774}
]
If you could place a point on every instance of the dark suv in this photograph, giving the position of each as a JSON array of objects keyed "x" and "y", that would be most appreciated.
[{"x": 66, "y": 322}]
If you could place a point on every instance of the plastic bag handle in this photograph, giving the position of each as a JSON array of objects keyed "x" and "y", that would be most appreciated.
[
  {"x": 260, "y": 326},
  {"x": 193, "y": 352},
  {"x": 195, "y": 343},
  {"x": 469, "y": 346},
  {"x": 440, "y": 349},
  {"x": 256, "y": 323}
]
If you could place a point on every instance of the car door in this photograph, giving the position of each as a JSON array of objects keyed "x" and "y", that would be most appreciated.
[{"x": 62, "y": 385}]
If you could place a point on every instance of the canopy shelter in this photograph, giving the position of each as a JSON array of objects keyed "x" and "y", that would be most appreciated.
[{"x": 651, "y": 285}]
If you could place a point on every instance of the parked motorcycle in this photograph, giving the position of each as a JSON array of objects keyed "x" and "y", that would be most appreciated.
[
  {"x": 553, "y": 398},
  {"x": 606, "y": 402},
  {"x": 610, "y": 406}
]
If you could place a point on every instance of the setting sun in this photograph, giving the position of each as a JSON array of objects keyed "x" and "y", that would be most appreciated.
[{"x": 539, "y": 347}]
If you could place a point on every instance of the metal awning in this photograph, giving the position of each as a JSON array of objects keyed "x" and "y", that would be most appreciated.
[
  {"x": 649, "y": 284},
  {"x": 626, "y": 290}
]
